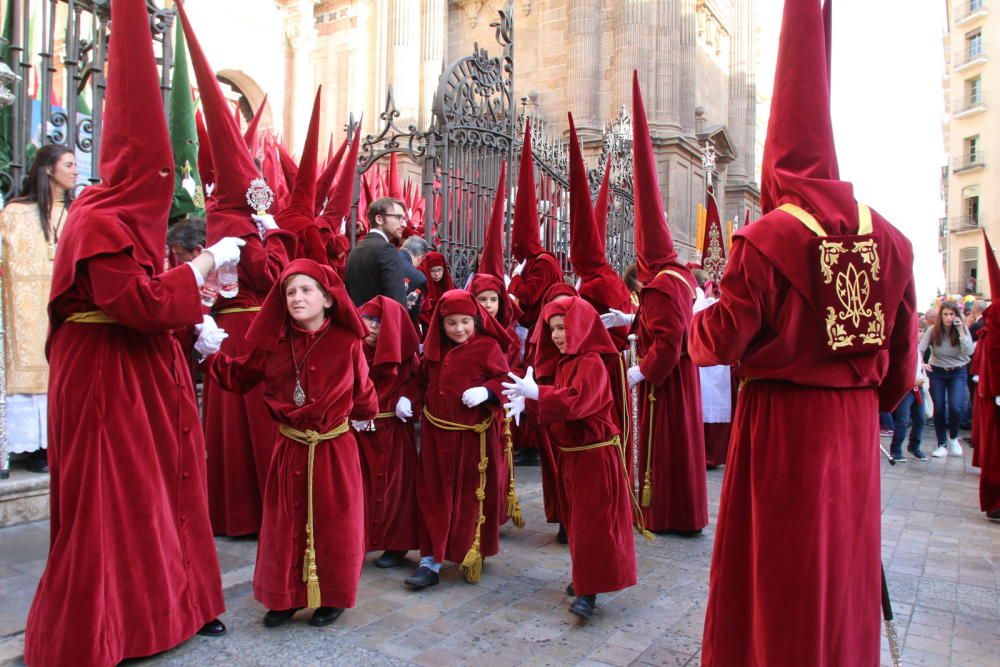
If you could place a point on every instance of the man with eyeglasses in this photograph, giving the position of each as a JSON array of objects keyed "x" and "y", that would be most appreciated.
[{"x": 374, "y": 267}]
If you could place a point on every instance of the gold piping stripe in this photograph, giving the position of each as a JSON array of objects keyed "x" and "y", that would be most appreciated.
[
  {"x": 91, "y": 317},
  {"x": 681, "y": 278},
  {"x": 864, "y": 219},
  {"x": 230, "y": 311}
]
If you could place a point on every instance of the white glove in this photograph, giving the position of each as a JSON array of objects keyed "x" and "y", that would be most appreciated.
[
  {"x": 975, "y": 378},
  {"x": 210, "y": 337},
  {"x": 362, "y": 425},
  {"x": 616, "y": 318},
  {"x": 997, "y": 399},
  {"x": 525, "y": 387},
  {"x": 515, "y": 408},
  {"x": 517, "y": 269},
  {"x": 474, "y": 396},
  {"x": 227, "y": 250},
  {"x": 264, "y": 220},
  {"x": 522, "y": 333},
  {"x": 404, "y": 409},
  {"x": 635, "y": 376},
  {"x": 209, "y": 189}
]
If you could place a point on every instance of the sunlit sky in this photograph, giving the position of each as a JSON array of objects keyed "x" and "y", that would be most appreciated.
[{"x": 888, "y": 108}]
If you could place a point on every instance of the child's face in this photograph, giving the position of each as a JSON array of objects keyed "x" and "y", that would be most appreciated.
[
  {"x": 558, "y": 328},
  {"x": 490, "y": 300},
  {"x": 459, "y": 328},
  {"x": 373, "y": 327},
  {"x": 437, "y": 273},
  {"x": 561, "y": 297},
  {"x": 306, "y": 301}
]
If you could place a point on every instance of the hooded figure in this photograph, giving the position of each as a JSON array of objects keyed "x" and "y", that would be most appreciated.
[
  {"x": 460, "y": 487},
  {"x": 831, "y": 280},
  {"x": 578, "y": 411},
  {"x": 239, "y": 436},
  {"x": 435, "y": 288},
  {"x": 988, "y": 397},
  {"x": 671, "y": 461},
  {"x": 600, "y": 285},
  {"x": 389, "y": 453},
  {"x": 315, "y": 379},
  {"x": 538, "y": 268},
  {"x": 335, "y": 215},
  {"x": 132, "y": 567}
]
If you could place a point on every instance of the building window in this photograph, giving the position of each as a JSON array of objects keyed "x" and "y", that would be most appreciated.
[
  {"x": 973, "y": 91},
  {"x": 968, "y": 260},
  {"x": 970, "y": 205},
  {"x": 974, "y": 44},
  {"x": 972, "y": 149},
  {"x": 975, "y": 5}
]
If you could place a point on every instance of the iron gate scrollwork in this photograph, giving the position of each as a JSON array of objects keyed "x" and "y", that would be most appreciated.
[{"x": 80, "y": 29}]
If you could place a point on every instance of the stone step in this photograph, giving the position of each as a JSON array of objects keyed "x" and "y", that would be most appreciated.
[{"x": 24, "y": 496}]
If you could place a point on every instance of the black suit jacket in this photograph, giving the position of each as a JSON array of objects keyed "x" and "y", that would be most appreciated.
[{"x": 374, "y": 268}]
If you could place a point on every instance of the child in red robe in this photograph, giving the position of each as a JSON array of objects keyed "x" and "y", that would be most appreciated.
[
  {"x": 389, "y": 453},
  {"x": 578, "y": 411},
  {"x": 459, "y": 485},
  {"x": 308, "y": 355},
  {"x": 439, "y": 281}
]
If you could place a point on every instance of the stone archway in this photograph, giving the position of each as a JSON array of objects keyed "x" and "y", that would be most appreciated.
[{"x": 251, "y": 95}]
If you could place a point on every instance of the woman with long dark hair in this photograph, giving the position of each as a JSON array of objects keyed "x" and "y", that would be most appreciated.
[
  {"x": 951, "y": 350},
  {"x": 30, "y": 227}
]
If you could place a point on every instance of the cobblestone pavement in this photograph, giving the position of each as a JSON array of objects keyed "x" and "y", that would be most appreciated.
[{"x": 942, "y": 560}]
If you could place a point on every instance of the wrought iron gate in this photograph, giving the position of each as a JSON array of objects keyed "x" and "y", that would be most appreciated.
[{"x": 50, "y": 97}]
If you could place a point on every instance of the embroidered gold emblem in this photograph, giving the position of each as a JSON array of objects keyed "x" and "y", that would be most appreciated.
[
  {"x": 714, "y": 263},
  {"x": 856, "y": 318}
]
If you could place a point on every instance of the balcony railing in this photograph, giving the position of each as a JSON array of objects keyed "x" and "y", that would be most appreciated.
[
  {"x": 966, "y": 11},
  {"x": 969, "y": 105},
  {"x": 969, "y": 56},
  {"x": 964, "y": 223},
  {"x": 975, "y": 160}
]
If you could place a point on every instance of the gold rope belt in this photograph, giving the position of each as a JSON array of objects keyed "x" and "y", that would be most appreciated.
[
  {"x": 616, "y": 441},
  {"x": 311, "y": 438},
  {"x": 513, "y": 504},
  {"x": 230, "y": 311},
  {"x": 647, "y": 482},
  {"x": 91, "y": 317},
  {"x": 472, "y": 564},
  {"x": 386, "y": 415}
]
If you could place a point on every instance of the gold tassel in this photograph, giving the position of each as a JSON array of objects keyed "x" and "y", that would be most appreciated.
[
  {"x": 647, "y": 491},
  {"x": 314, "y": 598},
  {"x": 513, "y": 504},
  {"x": 646, "y": 535},
  {"x": 472, "y": 564}
]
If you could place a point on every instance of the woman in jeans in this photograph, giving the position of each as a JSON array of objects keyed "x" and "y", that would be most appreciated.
[
  {"x": 910, "y": 410},
  {"x": 951, "y": 350}
]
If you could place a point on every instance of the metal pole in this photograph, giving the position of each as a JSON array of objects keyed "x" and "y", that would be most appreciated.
[{"x": 4, "y": 453}]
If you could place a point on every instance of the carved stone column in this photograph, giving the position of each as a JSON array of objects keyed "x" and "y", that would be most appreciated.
[
  {"x": 668, "y": 62},
  {"x": 404, "y": 56},
  {"x": 632, "y": 18},
  {"x": 302, "y": 41},
  {"x": 683, "y": 86},
  {"x": 583, "y": 67},
  {"x": 742, "y": 92},
  {"x": 433, "y": 35}
]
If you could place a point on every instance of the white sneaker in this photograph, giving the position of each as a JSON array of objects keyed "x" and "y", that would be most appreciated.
[
  {"x": 940, "y": 452},
  {"x": 954, "y": 448}
]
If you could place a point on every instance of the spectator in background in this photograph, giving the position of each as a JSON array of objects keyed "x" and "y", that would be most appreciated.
[
  {"x": 30, "y": 226},
  {"x": 374, "y": 267},
  {"x": 910, "y": 411},
  {"x": 186, "y": 239},
  {"x": 412, "y": 253},
  {"x": 950, "y": 346}
]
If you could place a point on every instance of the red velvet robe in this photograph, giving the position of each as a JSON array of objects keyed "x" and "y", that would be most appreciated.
[
  {"x": 976, "y": 368},
  {"x": 389, "y": 461},
  {"x": 795, "y": 574},
  {"x": 335, "y": 379},
  {"x": 528, "y": 287},
  {"x": 239, "y": 433},
  {"x": 132, "y": 569},
  {"x": 448, "y": 473},
  {"x": 677, "y": 466},
  {"x": 987, "y": 417},
  {"x": 578, "y": 410}
]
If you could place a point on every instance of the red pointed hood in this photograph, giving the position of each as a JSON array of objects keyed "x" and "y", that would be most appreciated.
[
  {"x": 395, "y": 183},
  {"x": 654, "y": 246},
  {"x": 584, "y": 333},
  {"x": 271, "y": 170},
  {"x": 300, "y": 212},
  {"x": 288, "y": 166},
  {"x": 601, "y": 206},
  {"x": 250, "y": 136},
  {"x": 338, "y": 206},
  {"x": 325, "y": 180},
  {"x": 127, "y": 211},
  {"x": 492, "y": 261},
  {"x": 205, "y": 169},
  {"x": 460, "y": 302},
  {"x": 992, "y": 270},
  {"x": 233, "y": 165},
  {"x": 525, "y": 241},
  {"x": 800, "y": 159}
]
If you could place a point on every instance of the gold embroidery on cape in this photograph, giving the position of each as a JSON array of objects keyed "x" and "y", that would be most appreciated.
[{"x": 714, "y": 263}]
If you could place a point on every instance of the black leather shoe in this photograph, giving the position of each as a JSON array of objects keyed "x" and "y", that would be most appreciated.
[
  {"x": 422, "y": 578},
  {"x": 325, "y": 616},
  {"x": 214, "y": 628},
  {"x": 526, "y": 457},
  {"x": 561, "y": 535},
  {"x": 275, "y": 617},
  {"x": 570, "y": 592},
  {"x": 679, "y": 533},
  {"x": 390, "y": 559},
  {"x": 583, "y": 606},
  {"x": 38, "y": 462}
]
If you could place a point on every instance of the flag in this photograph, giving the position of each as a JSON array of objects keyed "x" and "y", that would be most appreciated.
[{"x": 188, "y": 194}]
